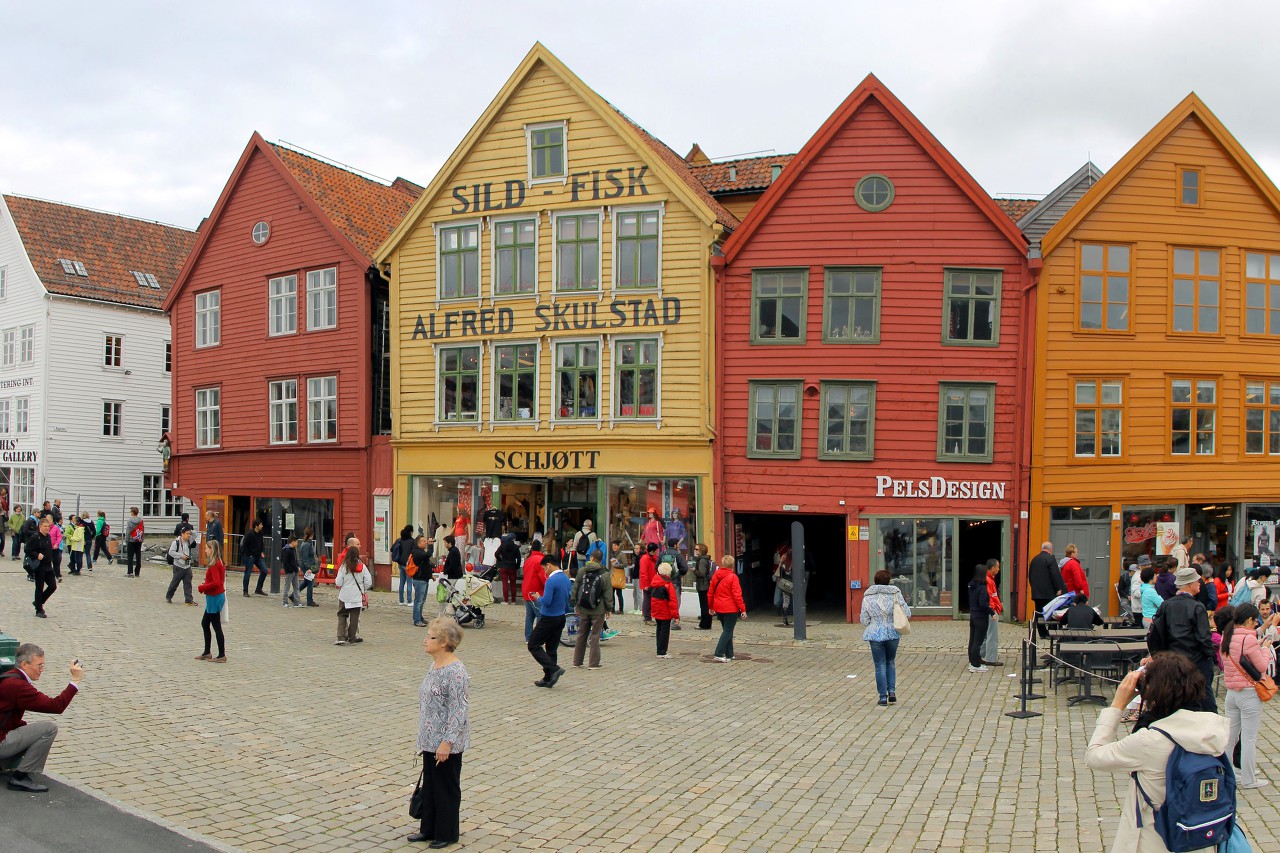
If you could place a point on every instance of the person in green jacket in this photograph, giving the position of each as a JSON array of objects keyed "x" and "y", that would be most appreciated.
[
  {"x": 591, "y": 615},
  {"x": 16, "y": 519}
]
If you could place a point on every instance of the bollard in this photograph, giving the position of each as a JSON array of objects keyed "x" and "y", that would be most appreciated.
[{"x": 1028, "y": 654}]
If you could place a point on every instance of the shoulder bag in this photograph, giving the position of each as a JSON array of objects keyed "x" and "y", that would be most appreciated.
[
  {"x": 901, "y": 623},
  {"x": 1264, "y": 686}
]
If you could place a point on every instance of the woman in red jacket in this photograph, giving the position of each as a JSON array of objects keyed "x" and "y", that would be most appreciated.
[
  {"x": 215, "y": 599},
  {"x": 725, "y": 598},
  {"x": 1073, "y": 573},
  {"x": 664, "y": 605}
]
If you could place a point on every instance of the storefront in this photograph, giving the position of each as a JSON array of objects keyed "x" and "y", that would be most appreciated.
[{"x": 18, "y": 461}]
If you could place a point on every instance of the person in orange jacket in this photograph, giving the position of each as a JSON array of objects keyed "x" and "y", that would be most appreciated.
[
  {"x": 1073, "y": 573},
  {"x": 648, "y": 571},
  {"x": 725, "y": 598},
  {"x": 664, "y": 605},
  {"x": 991, "y": 646}
]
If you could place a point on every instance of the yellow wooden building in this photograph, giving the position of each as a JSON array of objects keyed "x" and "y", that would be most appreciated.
[
  {"x": 552, "y": 351},
  {"x": 1156, "y": 411}
]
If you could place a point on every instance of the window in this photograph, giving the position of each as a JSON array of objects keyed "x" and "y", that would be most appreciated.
[
  {"x": 73, "y": 267},
  {"x": 26, "y": 344},
  {"x": 1193, "y": 416},
  {"x": 851, "y": 306},
  {"x": 546, "y": 152},
  {"x": 1189, "y": 187},
  {"x": 9, "y": 347},
  {"x": 460, "y": 262},
  {"x": 322, "y": 299},
  {"x": 515, "y": 382},
  {"x": 282, "y": 303},
  {"x": 775, "y": 420},
  {"x": 209, "y": 318},
  {"x": 637, "y": 254},
  {"x": 459, "y": 388},
  {"x": 1195, "y": 290},
  {"x": 152, "y": 492},
  {"x": 112, "y": 414},
  {"x": 778, "y": 306},
  {"x": 972, "y": 307},
  {"x": 3, "y": 276},
  {"x": 173, "y": 504},
  {"x": 208, "y": 417},
  {"x": 578, "y": 378},
  {"x": 5, "y": 424},
  {"x": 112, "y": 350},
  {"x": 22, "y": 484},
  {"x": 22, "y": 415},
  {"x": 146, "y": 279},
  {"x": 964, "y": 423},
  {"x": 515, "y": 253},
  {"x": 322, "y": 409},
  {"x": 577, "y": 253},
  {"x": 1261, "y": 294},
  {"x": 1262, "y": 417},
  {"x": 635, "y": 378},
  {"x": 164, "y": 419},
  {"x": 283, "y": 411},
  {"x": 1098, "y": 418},
  {"x": 873, "y": 193},
  {"x": 261, "y": 233},
  {"x": 1104, "y": 288},
  {"x": 848, "y": 420},
  {"x": 168, "y": 357}
]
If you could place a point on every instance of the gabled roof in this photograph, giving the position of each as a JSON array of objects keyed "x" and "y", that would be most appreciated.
[
  {"x": 670, "y": 167},
  {"x": 872, "y": 89},
  {"x": 109, "y": 247},
  {"x": 1086, "y": 175},
  {"x": 750, "y": 174},
  {"x": 1190, "y": 107},
  {"x": 359, "y": 212}
]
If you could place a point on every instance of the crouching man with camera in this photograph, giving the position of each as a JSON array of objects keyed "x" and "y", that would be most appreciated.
[{"x": 30, "y": 741}]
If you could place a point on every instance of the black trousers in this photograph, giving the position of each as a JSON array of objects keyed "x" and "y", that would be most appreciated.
[
  {"x": 663, "y": 635},
  {"x": 1041, "y": 630},
  {"x": 977, "y": 636},
  {"x": 1209, "y": 703},
  {"x": 46, "y": 585},
  {"x": 57, "y": 561},
  {"x": 133, "y": 558},
  {"x": 544, "y": 643},
  {"x": 441, "y": 797},
  {"x": 214, "y": 621},
  {"x": 704, "y": 615}
]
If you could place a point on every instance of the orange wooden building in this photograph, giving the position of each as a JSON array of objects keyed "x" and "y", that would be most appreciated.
[{"x": 1157, "y": 379}]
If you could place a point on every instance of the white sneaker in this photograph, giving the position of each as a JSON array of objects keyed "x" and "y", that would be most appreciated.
[
  {"x": 1257, "y": 783},
  {"x": 722, "y": 660},
  {"x": 287, "y": 604},
  {"x": 973, "y": 668}
]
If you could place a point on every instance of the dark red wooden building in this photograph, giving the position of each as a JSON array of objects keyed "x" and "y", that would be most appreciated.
[
  {"x": 870, "y": 360},
  {"x": 281, "y": 394}
]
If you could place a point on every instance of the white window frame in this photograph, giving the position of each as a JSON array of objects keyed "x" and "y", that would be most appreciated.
[
  {"x": 439, "y": 388},
  {"x": 21, "y": 415},
  {"x": 327, "y": 289},
  {"x": 661, "y": 209},
  {"x": 26, "y": 344},
  {"x": 563, "y": 124},
  {"x": 493, "y": 254},
  {"x": 108, "y": 362},
  {"x": 598, "y": 212},
  {"x": 113, "y": 418},
  {"x": 313, "y": 399},
  {"x": 210, "y": 405},
  {"x": 439, "y": 228},
  {"x": 22, "y": 487},
  {"x": 282, "y": 306},
  {"x": 614, "y": 385},
  {"x": 166, "y": 418},
  {"x": 494, "y": 420},
  {"x": 278, "y": 409},
  {"x": 601, "y": 372},
  {"x": 6, "y": 418},
  {"x": 9, "y": 347},
  {"x": 152, "y": 492},
  {"x": 211, "y": 314},
  {"x": 4, "y": 279}
]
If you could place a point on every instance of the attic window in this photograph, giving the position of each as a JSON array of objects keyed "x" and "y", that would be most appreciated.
[
  {"x": 873, "y": 193},
  {"x": 774, "y": 171},
  {"x": 80, "y": 270},
  {"x": 733, "y": 173},
  {"x": 261, "y": 233},
  {"x": 67, "y": 266},
  {"x": 146, "y": 279}
]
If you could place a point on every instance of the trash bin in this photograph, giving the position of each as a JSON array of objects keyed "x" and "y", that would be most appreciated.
[{"x": 8, "y": 652}]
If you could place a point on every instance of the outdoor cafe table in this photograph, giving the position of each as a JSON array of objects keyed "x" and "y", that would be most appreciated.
[{"x": 1127, "y": 651}]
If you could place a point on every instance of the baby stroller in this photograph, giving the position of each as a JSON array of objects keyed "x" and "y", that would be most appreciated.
[{"x": 468, "y": 596}]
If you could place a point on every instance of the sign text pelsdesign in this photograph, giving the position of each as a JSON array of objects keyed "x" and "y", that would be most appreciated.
[{"x": 940, "y": 487}]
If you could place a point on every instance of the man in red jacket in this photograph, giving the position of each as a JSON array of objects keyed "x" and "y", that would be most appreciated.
[
  {"x": 648, "y": 569},
  {"x": 18, "y": 694}
]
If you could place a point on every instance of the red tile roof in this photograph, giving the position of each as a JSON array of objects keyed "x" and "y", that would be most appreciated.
[
  {"x": 1016, "y": 208},
  {"x": 363, "y": 209},
  {"x": 751, "y": 174},
  {"x": 111, "y": 248}
]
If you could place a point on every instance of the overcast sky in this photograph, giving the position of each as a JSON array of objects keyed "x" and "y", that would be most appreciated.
[{"x": 144, "y": 107}]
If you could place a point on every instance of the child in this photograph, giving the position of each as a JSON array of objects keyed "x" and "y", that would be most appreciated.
[
  {"x": 663, "y": 607},
  {"x": 289, "y": 562}
]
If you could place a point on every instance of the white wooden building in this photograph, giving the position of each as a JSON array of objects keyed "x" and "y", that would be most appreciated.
[{"x": 85, "y": 379}]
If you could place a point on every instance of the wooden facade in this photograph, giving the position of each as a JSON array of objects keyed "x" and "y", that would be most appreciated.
[
  {"x": 1157, "y": 288},
  {"x": 877, "y": 486}
]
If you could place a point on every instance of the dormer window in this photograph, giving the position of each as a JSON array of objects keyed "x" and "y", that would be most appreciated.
[
  {"x": 546, "y": 151},
  {"x": 146, "y": 279}
]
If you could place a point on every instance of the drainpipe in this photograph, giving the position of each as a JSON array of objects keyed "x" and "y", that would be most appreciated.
[
  {"x": 719, "y": 513},
  {"x": 1023, "y": 443}
]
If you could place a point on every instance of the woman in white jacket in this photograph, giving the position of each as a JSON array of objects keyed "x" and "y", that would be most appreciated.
[
  {"x": 352, "y": 582},
  {"x": 1171, "y": 686}
]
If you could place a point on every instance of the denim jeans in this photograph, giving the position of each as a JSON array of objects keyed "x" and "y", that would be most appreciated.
[
  {"x": 530, "y": 614},
  {"x": 724, "y": 648},
  {"x": 249, "y": 563},
  {"x": 419, "y": 594},
  {"x": 884, "y": 654},
  {"x": 406, "y": 590},
  {"x": 307, "y": 585}
]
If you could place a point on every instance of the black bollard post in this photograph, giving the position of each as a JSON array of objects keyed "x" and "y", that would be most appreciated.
[{"x": 1026, "y": 693}]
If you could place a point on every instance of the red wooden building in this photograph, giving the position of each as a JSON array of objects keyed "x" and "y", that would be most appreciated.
[
  {"x": 280, "y": 391},
  {"x": 870, "y": 366}
]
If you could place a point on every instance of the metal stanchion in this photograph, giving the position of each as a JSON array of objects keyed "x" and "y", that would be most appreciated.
[{"x": 1028, "y": 656}]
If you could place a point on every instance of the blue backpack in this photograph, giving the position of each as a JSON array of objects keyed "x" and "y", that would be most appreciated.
[
  {"x": 1242, "y": 593},
  {"x": 1199, "y": 808}
]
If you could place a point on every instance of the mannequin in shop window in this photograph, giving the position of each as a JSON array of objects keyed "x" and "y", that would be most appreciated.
[
  {"x": 653, "y": 530},
  {"x": 462, "y": 528},
  {"x": 676, "y": 530}
]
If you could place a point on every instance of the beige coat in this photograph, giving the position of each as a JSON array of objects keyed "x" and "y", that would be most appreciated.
[{"x": 1148, "y": 752}]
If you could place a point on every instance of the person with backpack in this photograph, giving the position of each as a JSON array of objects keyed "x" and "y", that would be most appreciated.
[
  {"x": 74, "y": 536},
  {"x": 672, "y": 557},
  {"x": 592, "y": 599},
  {"x": 1173, "y": 746},
  {"x": 179, "y": 557},
  {"x": 134, "y": 531},
  {"x": 289, "y": 568},
  {"x": 101, "y": 531},
  {"x": 702, "y": 570},
  {"x": 306, "y": 562},
  {"x": 582, "y": 542},
  {"x": 400, "y": 550}
]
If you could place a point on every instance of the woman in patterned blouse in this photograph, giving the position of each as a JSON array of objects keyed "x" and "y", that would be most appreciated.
[{"x": 443, "y": 734}]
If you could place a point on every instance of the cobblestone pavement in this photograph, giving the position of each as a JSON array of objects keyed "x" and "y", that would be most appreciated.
[{"x": 298, "y": 744}]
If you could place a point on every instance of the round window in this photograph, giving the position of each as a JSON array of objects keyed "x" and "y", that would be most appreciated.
[
  {"x": 873, "y": 193},
  {"x": 261, "y": 232}
]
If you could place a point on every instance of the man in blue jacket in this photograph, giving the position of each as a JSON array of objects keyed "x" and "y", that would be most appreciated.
[{"x": 544, "y": 642}]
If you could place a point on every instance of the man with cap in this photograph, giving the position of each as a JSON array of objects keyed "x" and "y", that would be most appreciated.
[
  {"x": 1181, "y": 625},
  {"x": 544, "y": 642}
]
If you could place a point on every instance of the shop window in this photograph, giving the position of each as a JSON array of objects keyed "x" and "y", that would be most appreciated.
[
  {"x": 578, "y": 380},
  {"x": 1189, "y": 181},
  {"x": 4, "y": 417},
  {"x": 459, "y": 384},
  {"x": 774, "y": 424},
  {"x": 27, "y": 345},
  {"x": 1262, "y": 417},
  {"x": 778, "y": 300},
  {"x": 637, "y": 253},
  {"x": 112, "y": 417},
  {"x": 1262, "y": 526},
  {"x": 1195, "y": 290},
  {"x": 1261, "y": 294},
  {"x": 443, "y": 506},
  {"x": 322, "y": 299},
  {"x": 8, "y": 347},
  {"x": 282, "y": 305},
  {"x": 283, "y": 411},
  {"x": 515, "y": 382},
  {"x": 917, "y": 553},
  {"x": 635, "y": 377},
  {"x": 851, "y": 306},
  {"x": 322, "y": 409},
  {"x": 577, "y": 253},
  {"x": 546, "y": 144},
  {"x": 112, "y": 350},
  {"x": 848, "y": 420},
  {"x": 22, "y": 415},
  {"x": 208, "y": 318},
  {"x": 22, "y": 486},
  {"x": 964, "y": 423},
  {"x": 1104, "y": 288},
  {"x": 208, "y": 417},
  {"x": 1193, "y": 416},
  {"x": 972, "y": 307},
  {"x": 1142, "y": 530},
  {"x": 643, "y": 510},
  {"x": 460, "y": 261},
  {"x": 1098, "y": 417},
  {"x": 515, "y": 255}
]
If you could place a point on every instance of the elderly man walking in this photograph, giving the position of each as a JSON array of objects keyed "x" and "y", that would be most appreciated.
[
  {"x": 1182, "y": 625},
  {"x": 31, "y": 741},
  {"x": 1045, "y": 580}
]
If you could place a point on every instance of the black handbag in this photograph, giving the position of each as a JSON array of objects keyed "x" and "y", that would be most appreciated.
[{"x": 415, "y": 801}]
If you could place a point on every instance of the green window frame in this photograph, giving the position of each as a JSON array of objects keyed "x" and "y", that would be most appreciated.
[
  {"x": 515, "y": 382},
  {"x": 971, "y": 307},
  {"x": 637, "y": 236},
  {"x": 458, "y": 391},
  {"x": 851, "y": 305},
  {"x": 460, "y": 262},
  {"x": 578, "y": 253},
  {"x": 779, "y": 306},
  {"x": 848, "y": 420},
  {"x": 1261, "y": 417},
  {"x": 578, "y": 381},
  {"x": 515, "y": 257},
  {"x": 965, "y": 419},
  {"x": 1197, "y": 291},
  {"x": 636, "y": 378},
  {"x": 1261, "y": 294},
  {"x": 547, "y": 152},
  {"x": 774, "y": 421},
  {"x": 1104, "y": 288}
]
